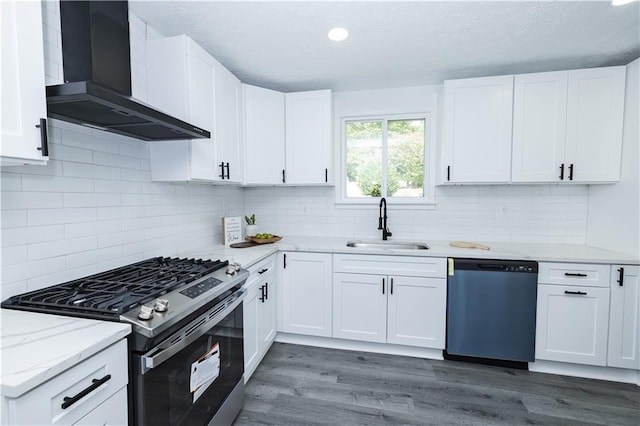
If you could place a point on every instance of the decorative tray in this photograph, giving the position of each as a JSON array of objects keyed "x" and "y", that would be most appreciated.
[{"x": 264, "y": 240}]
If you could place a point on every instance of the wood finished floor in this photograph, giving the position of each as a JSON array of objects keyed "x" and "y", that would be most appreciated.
[{"x": 300, "y": 385}]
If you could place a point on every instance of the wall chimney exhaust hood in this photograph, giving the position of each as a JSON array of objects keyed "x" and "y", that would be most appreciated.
[{"x": 97, "y": 75}]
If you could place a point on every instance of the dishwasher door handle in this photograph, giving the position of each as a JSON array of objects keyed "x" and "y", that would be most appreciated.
[{"x": 580, "y": 293}]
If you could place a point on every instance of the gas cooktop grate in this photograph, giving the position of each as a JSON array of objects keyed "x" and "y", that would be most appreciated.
[{"x": 108, "y": 294}]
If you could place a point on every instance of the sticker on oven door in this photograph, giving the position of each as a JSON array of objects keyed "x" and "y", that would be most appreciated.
[{"x": 204, "y": 371}]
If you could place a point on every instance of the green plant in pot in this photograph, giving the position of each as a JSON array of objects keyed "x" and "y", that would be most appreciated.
[{"x": 251, "y": 229}]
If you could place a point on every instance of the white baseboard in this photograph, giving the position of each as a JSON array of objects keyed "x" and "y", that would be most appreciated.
[
  {"x": 588, "y": 371},
  {"x": 354, "y": 345}
]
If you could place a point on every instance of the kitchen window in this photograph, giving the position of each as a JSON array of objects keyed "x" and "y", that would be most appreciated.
[{"x": 385, "y": 157}]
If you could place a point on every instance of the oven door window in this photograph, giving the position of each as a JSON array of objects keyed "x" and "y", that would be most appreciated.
[{"x": 189, "y": 387}]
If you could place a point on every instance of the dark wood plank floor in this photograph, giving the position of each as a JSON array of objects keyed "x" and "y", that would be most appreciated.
[{"x": 305, "y": 385}]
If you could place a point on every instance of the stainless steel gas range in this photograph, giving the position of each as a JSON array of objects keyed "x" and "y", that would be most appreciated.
[{"x": 186, "y": 349}]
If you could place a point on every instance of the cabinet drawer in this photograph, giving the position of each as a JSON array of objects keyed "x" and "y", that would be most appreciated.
[
  {"x": 269, "y": 264},
  {"x": 579, "y": 274},
  {"x": 49, "y": 397},
  {"x": 390, "y": 265}
]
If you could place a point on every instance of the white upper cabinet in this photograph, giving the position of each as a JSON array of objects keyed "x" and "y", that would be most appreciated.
[
  {"x": 185, "y": 81},
  {"x": 539, "y": 126},
  {"x": 288, "y": 137},
  {"x": 567, "y": 126},
  {"x": 594, "y": 124},
  {"x": 22, "y": 85},
  {"x": 477, "y": 130},
  {"x": 264, "y": 134},
  {"x": 308, "y": 137}
]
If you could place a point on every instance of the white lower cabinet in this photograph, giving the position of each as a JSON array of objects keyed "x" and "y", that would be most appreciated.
[
  {"x": 390, "y": 309},
  {"x": 572, "y": 324},
  {"x": 624, "y": 321},
  {"x": 304, "y": 296},
  {"x": 259, "y": 314},
  {"x": 405, "y": 310},
  {"x": 91, "y": 392}
]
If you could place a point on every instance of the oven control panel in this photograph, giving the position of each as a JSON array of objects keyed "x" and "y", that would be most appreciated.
[{"x": 201, "y": 287}]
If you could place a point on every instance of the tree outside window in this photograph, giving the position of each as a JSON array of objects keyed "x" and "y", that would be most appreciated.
[{"x": 385, "y": 158}]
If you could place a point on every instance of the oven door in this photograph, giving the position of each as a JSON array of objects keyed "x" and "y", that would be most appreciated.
[{"x": 188, "y": 378}]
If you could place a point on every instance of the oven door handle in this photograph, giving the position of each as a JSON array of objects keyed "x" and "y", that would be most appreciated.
[{"x": 160, "y": 353}]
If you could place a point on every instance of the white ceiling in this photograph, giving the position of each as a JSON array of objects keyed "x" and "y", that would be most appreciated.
[{"x": 283, "y": 45}]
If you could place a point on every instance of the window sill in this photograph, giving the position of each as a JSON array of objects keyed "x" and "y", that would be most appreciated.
[{"x": 395, "y": 204}]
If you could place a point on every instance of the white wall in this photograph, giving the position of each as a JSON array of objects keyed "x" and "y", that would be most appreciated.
[
  {"x": 94, "y": 207},
  {"x": 614, "y": 210}
]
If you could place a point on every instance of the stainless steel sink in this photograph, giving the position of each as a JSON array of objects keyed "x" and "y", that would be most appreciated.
[{"x": 394, "y": 245}]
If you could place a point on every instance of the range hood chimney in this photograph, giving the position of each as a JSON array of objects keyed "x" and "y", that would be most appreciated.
[{"x": 97, "y": 75}]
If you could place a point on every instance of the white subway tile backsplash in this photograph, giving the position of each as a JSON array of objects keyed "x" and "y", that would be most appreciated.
[
  {"x": 14, "y": 254},
  {"x": 13, "y": 218},
  {"x": 55, "y": 248},
  {"x": 36, "y": 217},
  {"x": 12, "y": 200},
  {"x": 90, "y": 258},
  {"x": 32, "y": 234},
  {"x": 10, "y": 181},
  {"x": 84, "y": 229},
  {"x": 31, "y": 269},
  {"x": 91, "y": 171},
  {"x": 70, "y": 153},
  {"x": 60, "y": 277}
]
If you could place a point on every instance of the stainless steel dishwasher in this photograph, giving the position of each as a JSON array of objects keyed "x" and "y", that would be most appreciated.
[{"x": 491, "y": 311}]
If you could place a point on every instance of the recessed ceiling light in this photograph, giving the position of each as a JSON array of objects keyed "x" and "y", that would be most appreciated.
[
  {"x": 621, "y": 2},
  {"x": 338, "y": 34}
]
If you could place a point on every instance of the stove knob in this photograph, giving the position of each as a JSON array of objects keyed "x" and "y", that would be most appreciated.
[
  {"x": 146, "y": 313},
  {"x": 231, "y": 270},
  {"x": 161, "y": 305}
]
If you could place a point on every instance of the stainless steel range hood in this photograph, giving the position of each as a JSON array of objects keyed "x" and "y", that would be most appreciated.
[{"x": 97, "y": 75}]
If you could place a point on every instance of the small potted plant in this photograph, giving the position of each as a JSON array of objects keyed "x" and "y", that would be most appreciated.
[{"x": 251, "y": 229}]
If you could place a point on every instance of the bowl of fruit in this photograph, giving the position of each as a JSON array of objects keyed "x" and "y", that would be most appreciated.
[{"x": 264, "y": 238}]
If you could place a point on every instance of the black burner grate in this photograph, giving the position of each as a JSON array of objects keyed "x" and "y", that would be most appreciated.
[{"x": 111, "y": 293}]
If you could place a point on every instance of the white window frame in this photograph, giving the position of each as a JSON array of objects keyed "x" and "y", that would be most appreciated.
[{"x": 424, "y": 202}]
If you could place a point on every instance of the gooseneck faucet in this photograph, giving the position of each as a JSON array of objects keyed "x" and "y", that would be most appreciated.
[{"x": 382, "y": 220}]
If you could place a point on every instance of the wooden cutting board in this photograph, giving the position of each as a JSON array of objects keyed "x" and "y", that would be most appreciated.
[{"x": 464, "y": 244}]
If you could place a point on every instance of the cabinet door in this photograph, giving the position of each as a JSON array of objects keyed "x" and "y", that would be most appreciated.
[
  {"x": 360, "y": 307},
  {"x": 305, "y": 294},
  {"x": 22, "y": 83},
  {"x": 250, "y": 329},
  {"x": 624, "y": 322},
  {"x": 572, "y": 324},
  {"x": 539, "y": 126},
  {"x": 267, "y": 314},
  {"x": 417, "y": 311},
  {"x": 308, "y": 137},
  {"x": 227, "y": 124},
  {"x": 202, "y": 110},
  {"x": 264, "y": 135},
  {"x": 477, "y": 129},
  {"x": 594, "y": 123}
]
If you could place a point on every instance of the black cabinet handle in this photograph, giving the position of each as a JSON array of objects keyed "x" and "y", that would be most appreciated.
[
  {"x": 95, "y": 383},
  {"x": 561, "y": 171},
  {"x": 621, "y": 276},
  {"x": 571, "y": 171},
  {"x": 283, "y": 179},
  {"x": 285, "y": 261},
  {"x": 222, "y": 170},
  {"x": 228, "y": 172},
  {"x": 391, "y": 289},
  {"x": 44, "y": 138},
  {"x": 574, "y": 274},
  {"x": 326, "y": 175},
  {"x": 263, "y": 270},
  {"x": 266, "y": 291},
  {"x": 262, "y": 297},
  {"x": 383, "y": 286},
  {"x": 448, "y": 173},
  {"x": 580, "y": 293}
]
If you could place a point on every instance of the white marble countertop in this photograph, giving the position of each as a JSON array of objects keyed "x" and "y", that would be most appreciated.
[
  {"x": 37, "y": 347},
  {"x": 571, "y": 253}
]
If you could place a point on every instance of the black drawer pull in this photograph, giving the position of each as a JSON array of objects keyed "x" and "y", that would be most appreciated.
[
  {"x": 580, "y": 293},
  {"x": 263, "y": 270},
  {"x": 266, "y": 291},
  {"x": 44, "y": 139},
  {"x": 621, "y": 276},
  {"x": 383, "y": 286},
  {"x": 574, "y": 274},
  {"x": 262, "y": 297},
  {"x": 561, "y": 171},
  {"x": 95, "y": 383}
]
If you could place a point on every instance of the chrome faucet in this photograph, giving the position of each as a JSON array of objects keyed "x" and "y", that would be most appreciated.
[{"x": 382, "y": 220}]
